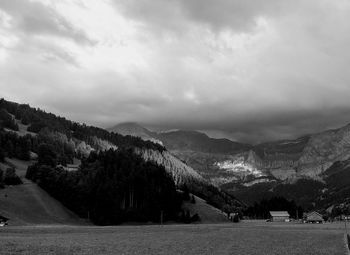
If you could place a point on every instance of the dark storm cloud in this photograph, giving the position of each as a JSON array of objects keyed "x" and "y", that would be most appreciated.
[
  {"x": 35, "y": 18},
  {"x": 249, "y": 70},
  {"x": 266, "y": 127},
  {"x": 235, "y": 15},
  {"x": 231, "y": 14},
  {"x": 289, "y": 125}
]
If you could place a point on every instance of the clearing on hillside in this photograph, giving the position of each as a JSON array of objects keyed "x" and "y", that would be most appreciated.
[{"x": 28, "y": 204}]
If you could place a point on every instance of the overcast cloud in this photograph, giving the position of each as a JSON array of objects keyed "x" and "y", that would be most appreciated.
[{"x": 251, "y": 70}]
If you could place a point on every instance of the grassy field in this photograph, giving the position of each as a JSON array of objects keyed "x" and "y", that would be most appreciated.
[
  {"x": 28, "y": 204},
  {"x": 208, "y": 213},
  {"x": 242, "y": 238}
]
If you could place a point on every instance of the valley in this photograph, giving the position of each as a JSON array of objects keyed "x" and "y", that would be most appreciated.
[
  {"x": 174, "y": 127},
  {"x": 296, "y": 169},
  {"x": 311, "y": 170}
]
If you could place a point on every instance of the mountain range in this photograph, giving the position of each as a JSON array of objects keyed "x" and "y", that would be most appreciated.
[
  {"x": 254, "y": 172},
  {"x": 313, "y": 170}
]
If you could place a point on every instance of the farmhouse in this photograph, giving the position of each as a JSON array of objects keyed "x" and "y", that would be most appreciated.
[
  {"x": 279, "y": 215},
  {"x": 314, "y": 217}
]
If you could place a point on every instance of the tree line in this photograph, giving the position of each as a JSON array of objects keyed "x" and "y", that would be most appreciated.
[
  {"x": 262, "y": 209},
  {"x": 214, "y": 196},
  {"x": 110, "y": 187},
  {"x": 48, "y": 127},
  {"x": 38, "y": 120}
]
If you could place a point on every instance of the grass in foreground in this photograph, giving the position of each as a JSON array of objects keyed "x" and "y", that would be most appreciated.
[{"x": 243, "y": 238}]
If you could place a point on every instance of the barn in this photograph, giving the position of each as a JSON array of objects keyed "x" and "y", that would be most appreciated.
[
  {"x": 279, "y": 216},
  {"x": 314, "y": 217}
]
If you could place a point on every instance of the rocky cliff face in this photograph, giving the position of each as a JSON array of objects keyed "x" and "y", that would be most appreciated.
[
  {"x": 323, "y": 150},
  {"x": 289, "y": 160},
  {"x": 306, "y": 157}
]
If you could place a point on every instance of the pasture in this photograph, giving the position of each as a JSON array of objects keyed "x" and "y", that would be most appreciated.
[{"x": 242, "y": 238}]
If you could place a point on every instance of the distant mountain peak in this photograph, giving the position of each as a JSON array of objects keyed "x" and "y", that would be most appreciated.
[
  {"x": 135, "y": 129},
  {"x": 184, "y": 132},
  {"x": 127, "y": 125},
  {"x": 129, "y": 128}
]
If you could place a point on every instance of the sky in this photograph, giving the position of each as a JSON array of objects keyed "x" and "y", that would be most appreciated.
[{"x": 248, "y": 70}]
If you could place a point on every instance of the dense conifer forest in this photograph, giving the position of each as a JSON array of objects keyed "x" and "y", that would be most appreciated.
[
  {"x": 41, "y": 121},
  {"x": 110, "y": 187}
]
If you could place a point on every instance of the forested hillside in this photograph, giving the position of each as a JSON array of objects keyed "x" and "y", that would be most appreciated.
[
  {"x": 111, "y": 187},
  {"x": 46, "y": 124},
  {"x": 54, "y": 142}
]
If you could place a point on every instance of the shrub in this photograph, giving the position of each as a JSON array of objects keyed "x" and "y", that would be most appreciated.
[
  {"x": 193, "y": 199},
  {"x": 186, "y": 193},
  {"x": 11, "y": 178},
  {"x": 195, "y": 218},
  {"x": 186, "y": 217},
  {"x": 235, "y": 218}
]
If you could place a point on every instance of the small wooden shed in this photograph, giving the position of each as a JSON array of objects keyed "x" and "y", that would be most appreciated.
[
  {"x": 279, "y": 216},
  {"x": 314, "y": 217}
]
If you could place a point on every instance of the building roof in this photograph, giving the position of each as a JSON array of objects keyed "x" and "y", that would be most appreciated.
[
  {"x": 313, "y": 213},
  {"x": 314, "y": 216},
  {"x": 279, "y": 213}
]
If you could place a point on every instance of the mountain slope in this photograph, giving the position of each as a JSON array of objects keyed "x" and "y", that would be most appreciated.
[
  {"x": 180, "y": 172},
  {"x": 133, "y": 129},
  {"x": 305, "y": 157},
  {"x": 199, "y": 142},
  {"x": 194, "y": 148},
  {"x": 28, "y": 204},
  {"x": 206, "y": 212},
  {"x": 67, "y": 140},
  {"x": 70, "y": 138},
  {"x": 297, "y": 169},
  {"x": 313, "y": 170}
]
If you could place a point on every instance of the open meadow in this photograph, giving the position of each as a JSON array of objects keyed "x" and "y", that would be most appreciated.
[{"x": 242, "y": 238}]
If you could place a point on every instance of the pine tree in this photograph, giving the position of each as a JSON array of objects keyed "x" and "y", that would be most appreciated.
[
  {"x": 186, "y": 194},
  {"x": 2, "y": 155},
  {"x": 1, "y": 179}
]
